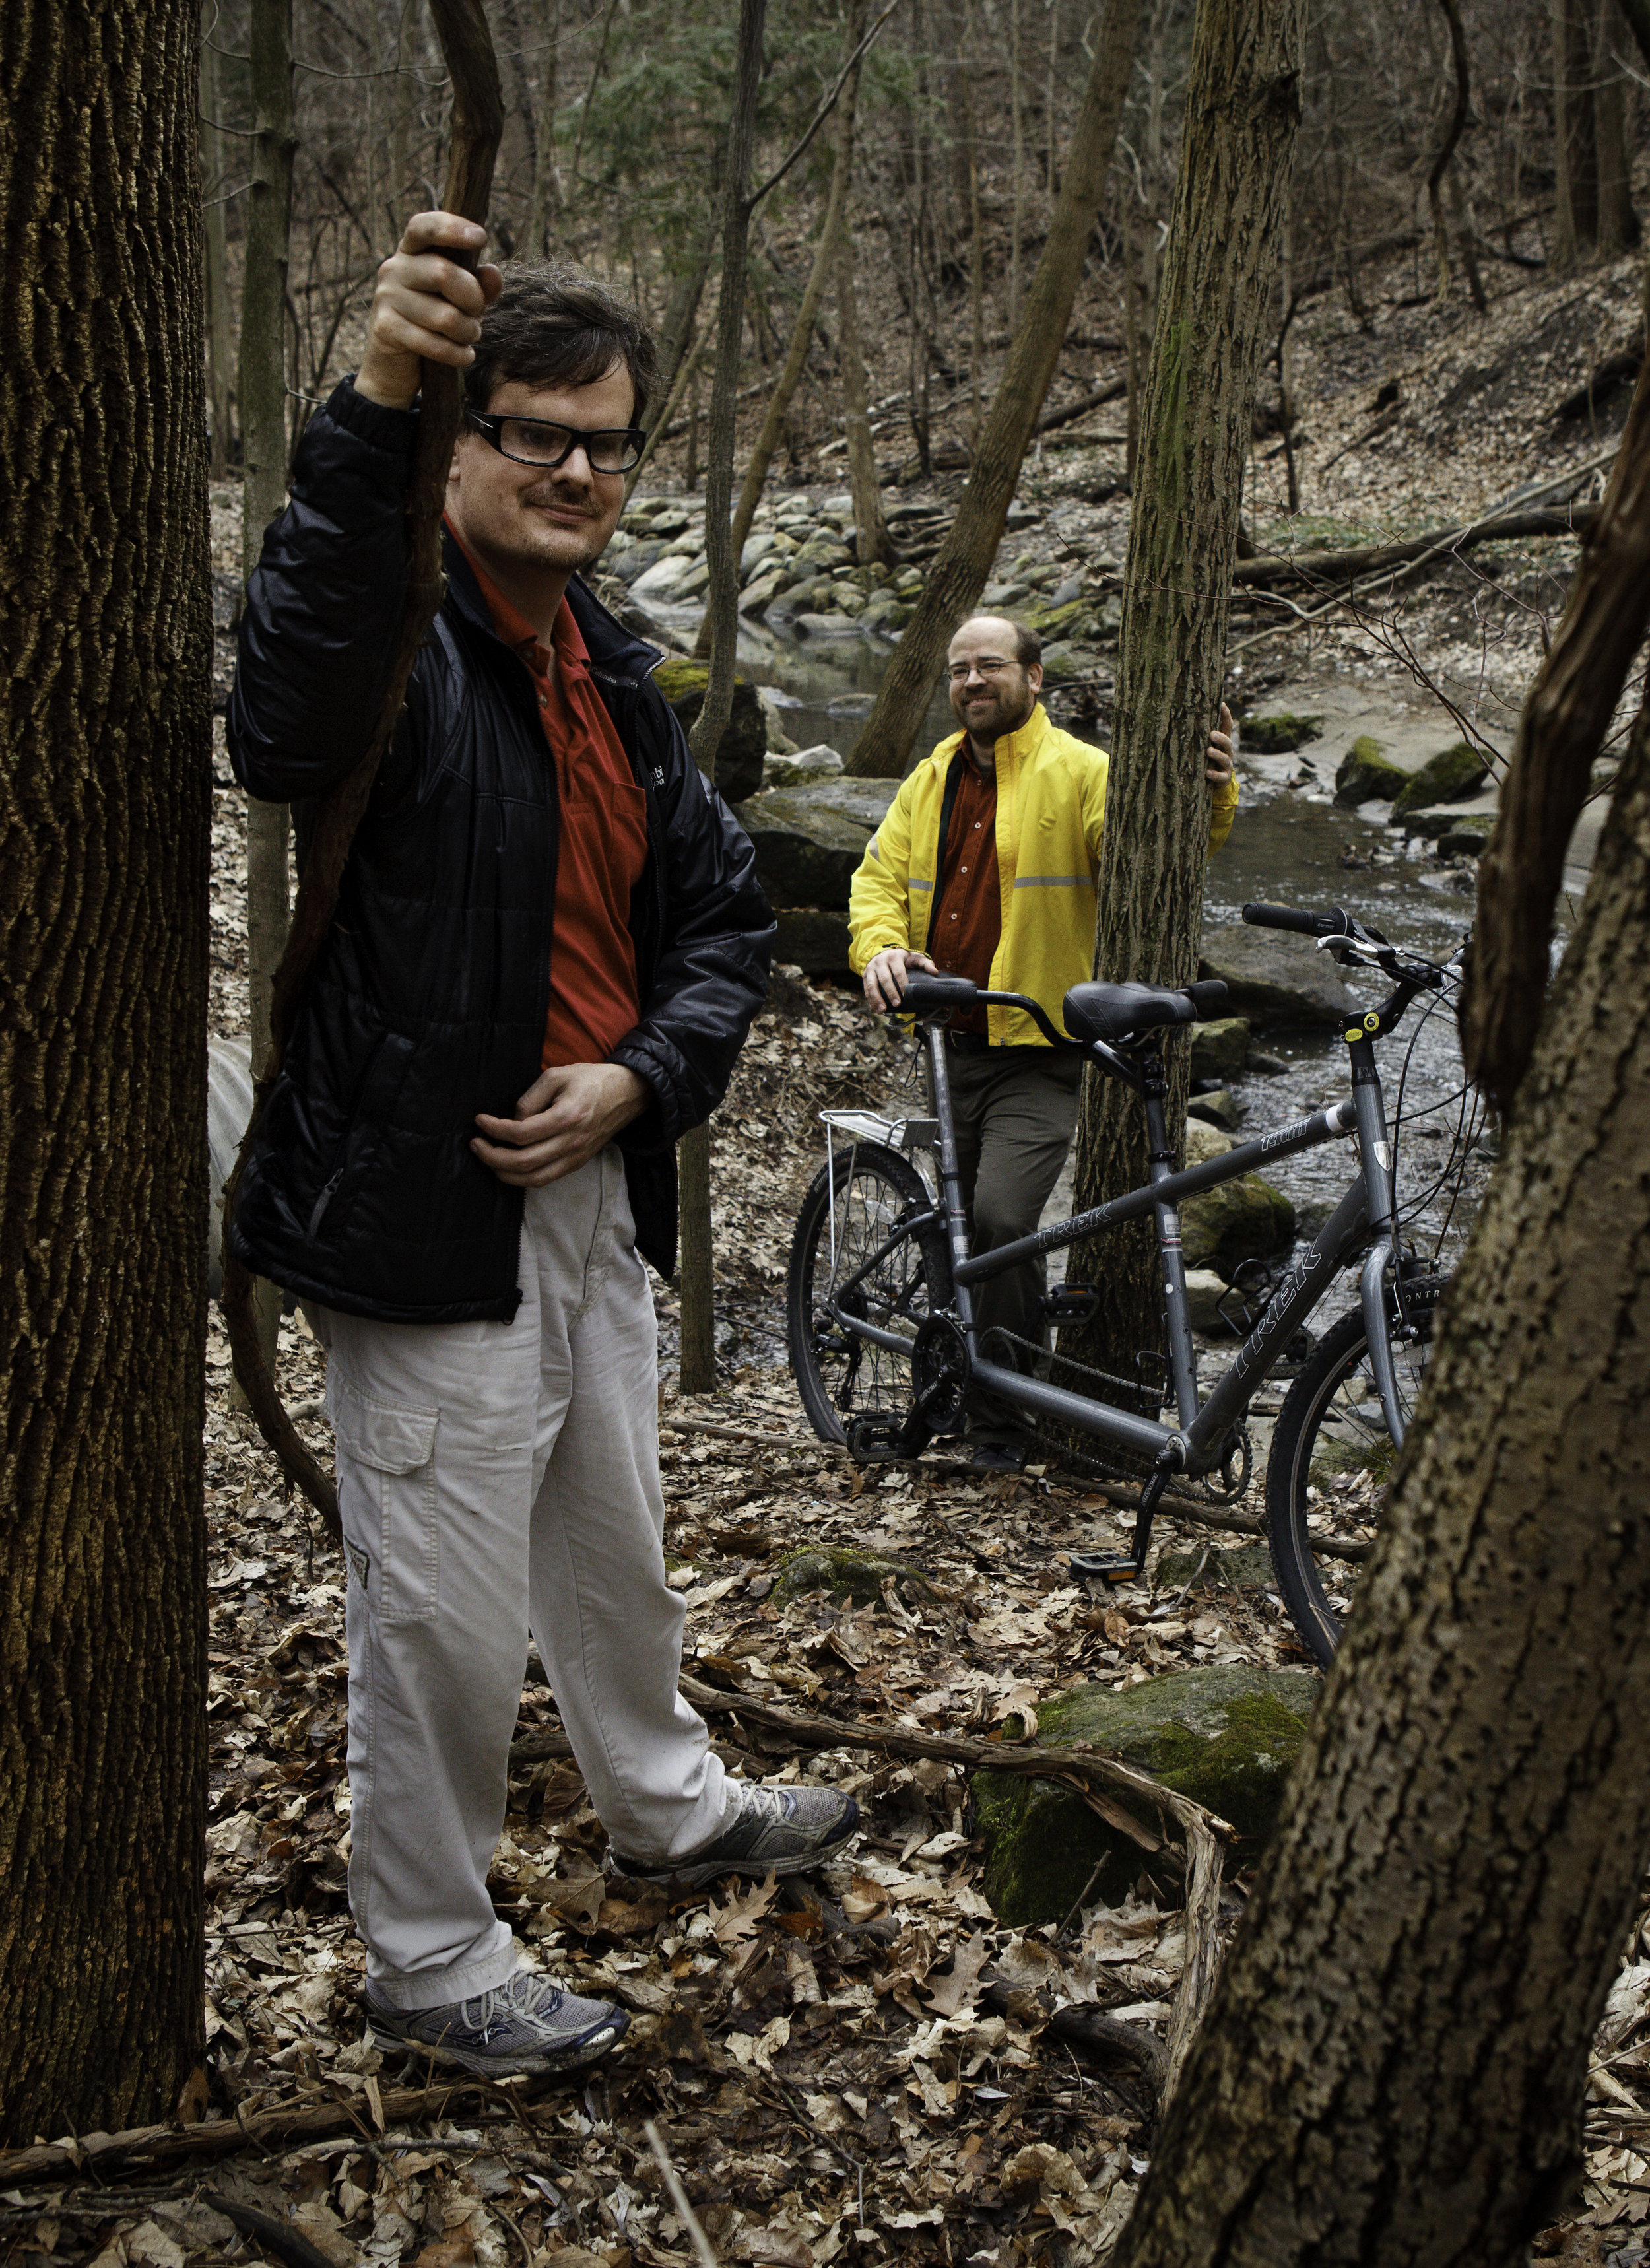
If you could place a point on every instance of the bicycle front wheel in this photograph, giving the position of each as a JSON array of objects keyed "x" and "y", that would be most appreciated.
[
  {"x": 840, "y": 1375},
  {"x": 1332, "y": 1461}
]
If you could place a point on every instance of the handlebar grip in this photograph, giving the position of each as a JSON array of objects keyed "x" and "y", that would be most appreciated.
[
  {"x": 1208, "y": 994},
  {"x": 925, "y": 994},
  {"x": 1333, "y": 923}
]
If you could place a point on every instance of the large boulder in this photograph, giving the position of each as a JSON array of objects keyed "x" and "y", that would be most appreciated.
[
  {"x": 813, "y": 938},
  {"x": 1219, "y": 1049},
  {"x": 1242, "y": 1219},
  {"x": 1275, "y": 977},
  {"x": 1226, "y": 1736},
  {"x": 1365, "y": 776},
  {"x": 810, "y": 840},
  {"x": 739, "y": 761},
  {"x": 1453, "y": 775},
  {"x": 1277, "y": 735}
]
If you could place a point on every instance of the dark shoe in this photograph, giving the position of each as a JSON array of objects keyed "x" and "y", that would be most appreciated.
[
  {"x": 780, "y": 1831},
  {"x": 526, "y": 2024},
  {"x": 998, "y": 1452}
]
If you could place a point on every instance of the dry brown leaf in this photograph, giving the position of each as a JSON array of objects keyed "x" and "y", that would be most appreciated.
[
  {"x": 959, "y": 1988},
  {"x": 739, "y": 1917}
]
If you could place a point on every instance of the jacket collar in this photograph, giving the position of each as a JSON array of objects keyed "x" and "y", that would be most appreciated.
[{"x": 614, "y": 651}]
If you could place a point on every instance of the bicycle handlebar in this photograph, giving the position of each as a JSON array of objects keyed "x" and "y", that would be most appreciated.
[{"x": 1333, "y": 923}]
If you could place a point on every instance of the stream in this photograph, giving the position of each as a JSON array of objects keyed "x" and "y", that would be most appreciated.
[{"x": 1290, "y": 845}]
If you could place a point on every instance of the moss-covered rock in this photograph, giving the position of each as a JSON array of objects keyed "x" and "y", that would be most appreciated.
[
  {"x": 1227, "y": 1737},
  {"x": 1467, "y": 835},
  {"x": 738, "y": 760},
  {"x": 1364, "y": 776},
  {"x": 1277, "y": 735},
  {"x": 1244, "y": 1219},
  {"x": 853, "y": 1575},
  {"x": 1219, "y": 1047},
  {"x": 1235, "y": 1566},
  {"x": 1451, "y": 776}
]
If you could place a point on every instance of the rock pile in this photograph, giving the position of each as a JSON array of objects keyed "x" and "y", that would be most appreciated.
[{"x": 799, "y": 568}]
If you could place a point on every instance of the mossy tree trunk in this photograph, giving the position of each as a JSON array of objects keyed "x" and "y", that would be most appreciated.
[
  {"x": 1242, "y": 106},
  {"x": 104, "y": 652},
  {"x": 964, "y": 559},
  {"x": 1394, "y": 2066}
]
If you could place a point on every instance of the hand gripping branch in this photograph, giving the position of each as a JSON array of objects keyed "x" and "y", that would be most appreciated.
[{"x": 477, "y": 123}]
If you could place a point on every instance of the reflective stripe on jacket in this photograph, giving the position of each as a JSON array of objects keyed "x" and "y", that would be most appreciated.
[{"x": 1051, "y": 814}]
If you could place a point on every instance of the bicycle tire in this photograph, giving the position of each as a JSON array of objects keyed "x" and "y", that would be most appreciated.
[
  {"x": 840, "y": 1377},
  {"x": 1331, "y": 1463}
]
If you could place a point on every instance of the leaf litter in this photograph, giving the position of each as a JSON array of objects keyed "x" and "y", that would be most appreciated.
[{"x": 859, "y": 2062}]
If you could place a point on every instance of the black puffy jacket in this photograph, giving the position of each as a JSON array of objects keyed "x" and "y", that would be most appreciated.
[{"x": 429, "y": 1000}]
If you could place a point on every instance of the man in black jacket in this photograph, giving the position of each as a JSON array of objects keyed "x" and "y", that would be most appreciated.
[{"x": 548, "y": 946}]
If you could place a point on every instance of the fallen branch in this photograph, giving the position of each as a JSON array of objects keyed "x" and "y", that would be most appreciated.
[
  {"x": 1309, "y": 566},
  {"x": 285, "y": 2123}
]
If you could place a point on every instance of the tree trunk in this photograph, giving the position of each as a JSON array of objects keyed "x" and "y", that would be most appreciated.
[
  {"x": 104, "y": 648},
  {"x": 1393, "y": 2068},
  {"x": 808, "y": 314},
  {"x": 977, "y": 226},
  {"x": 1619, "y": 229},
  {"x": 721, "y": 611},
  {"x": 872, "y": 546},
  {"x": 220, "y": 351},
  {"x": 963, "y": 562},
  {"x": 1575, "y": 150},
  {"x": 546, "y": 194},
  {"x": 1242, "y": 105},
  {"x": 263, "y": 492},
  {"x": 1017, "y": 108},
  {"x": 676, "y": 332}
]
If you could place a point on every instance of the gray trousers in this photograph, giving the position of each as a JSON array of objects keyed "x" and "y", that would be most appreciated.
[
  {"x": 1015, "y": 1111},
  {"x": 494, "y": 1478}
]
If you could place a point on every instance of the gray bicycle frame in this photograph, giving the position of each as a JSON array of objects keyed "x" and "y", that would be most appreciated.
[{"x": 1196, "y": 1444}]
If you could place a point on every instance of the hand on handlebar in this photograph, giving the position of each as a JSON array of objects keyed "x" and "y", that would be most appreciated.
[{"x": 888, "y": 973}]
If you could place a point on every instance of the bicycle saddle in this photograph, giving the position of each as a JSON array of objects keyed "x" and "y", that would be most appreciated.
[{"x": 1118, "y": 1013}]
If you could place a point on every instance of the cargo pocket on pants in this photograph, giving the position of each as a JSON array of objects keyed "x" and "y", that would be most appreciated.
[{"x": 394, "y": 1444}]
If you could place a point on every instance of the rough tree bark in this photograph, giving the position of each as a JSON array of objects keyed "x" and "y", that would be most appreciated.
[
  {"x": 1619, "y": 229},
  {"x": 105, "y": 654},
  {"x": 696, "y": 1276},
  {"x": 1564, "y": 721},
  {"x": 1394, "y": 2065},
  {"x": 1242, "y": 105},
  {"x": 220, "y": 351},
  {"x": 263, "y": 392},
  {"x": 964, "y": 559}
]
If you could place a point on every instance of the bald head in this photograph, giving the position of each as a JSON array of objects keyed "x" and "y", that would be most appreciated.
[{"x": 993, "y": 688}]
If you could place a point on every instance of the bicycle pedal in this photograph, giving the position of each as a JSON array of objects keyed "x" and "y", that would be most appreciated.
[
  {"x": 877, "y": 1439},
  {"x": 1072, "y": 1303},
  {"x": 1111, "y": 1566}
]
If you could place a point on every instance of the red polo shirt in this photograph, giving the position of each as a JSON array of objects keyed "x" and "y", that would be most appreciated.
[{"x": 603, "y": 849}]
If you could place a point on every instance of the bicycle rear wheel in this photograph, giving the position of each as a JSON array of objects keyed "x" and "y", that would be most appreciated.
[
  {"x": 839, "y": 1376},
  {"x": 1331, "y": 1463}
]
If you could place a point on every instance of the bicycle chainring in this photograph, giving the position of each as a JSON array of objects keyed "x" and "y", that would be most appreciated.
[{"x": 940, "y": 1371}]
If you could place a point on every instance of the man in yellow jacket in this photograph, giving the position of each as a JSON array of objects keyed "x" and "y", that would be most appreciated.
[{"x": 987, "y": 866}]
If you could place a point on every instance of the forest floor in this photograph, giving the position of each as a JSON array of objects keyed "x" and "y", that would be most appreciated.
[{"x": 862, "y": 2065}]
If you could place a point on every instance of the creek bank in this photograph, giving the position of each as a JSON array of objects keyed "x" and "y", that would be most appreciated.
[{"x": 1225, "y": 1735}]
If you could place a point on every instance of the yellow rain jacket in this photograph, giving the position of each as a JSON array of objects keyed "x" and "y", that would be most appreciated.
[{"x": 1051, "y": 812}]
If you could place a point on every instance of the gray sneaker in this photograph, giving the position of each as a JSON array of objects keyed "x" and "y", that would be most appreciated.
[
  {"x": 526, "y": 2024},
  {"x": 783, "y": 1831}
]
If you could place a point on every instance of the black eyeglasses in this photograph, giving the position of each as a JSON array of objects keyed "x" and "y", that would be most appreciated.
[{"x": 530, "y": 441}]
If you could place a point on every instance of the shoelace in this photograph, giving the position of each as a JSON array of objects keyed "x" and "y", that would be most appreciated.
[{"x": 768, "y": 1803}]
